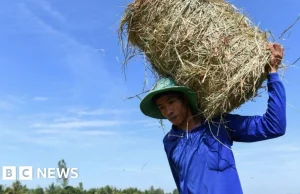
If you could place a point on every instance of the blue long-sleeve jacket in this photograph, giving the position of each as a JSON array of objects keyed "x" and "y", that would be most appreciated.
[{"x": 201, "y": 161}]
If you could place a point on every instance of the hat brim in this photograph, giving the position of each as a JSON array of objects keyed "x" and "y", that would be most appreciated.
[{"x": 149, "y": 108}]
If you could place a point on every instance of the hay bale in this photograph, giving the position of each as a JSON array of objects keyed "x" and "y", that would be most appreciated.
[{"x": 207, "y": 45}]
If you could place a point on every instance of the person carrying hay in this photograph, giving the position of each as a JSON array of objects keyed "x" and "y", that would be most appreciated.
[{"x": 199, "y": 151}]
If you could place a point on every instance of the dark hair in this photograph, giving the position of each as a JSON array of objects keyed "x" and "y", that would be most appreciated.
[{"x": 180, "y": 95}]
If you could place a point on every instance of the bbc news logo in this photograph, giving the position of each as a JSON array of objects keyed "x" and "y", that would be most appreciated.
[{"x": 29, "y": 173}]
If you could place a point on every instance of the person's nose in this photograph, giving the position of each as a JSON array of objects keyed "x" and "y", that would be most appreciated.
[{"x": 170, "y": 111}]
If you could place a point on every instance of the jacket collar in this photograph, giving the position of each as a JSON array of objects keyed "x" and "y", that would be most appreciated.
[{"x": 176, "y": 133}]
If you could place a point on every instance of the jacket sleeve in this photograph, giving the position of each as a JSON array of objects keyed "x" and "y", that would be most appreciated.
[
  {"x": 174, "y": 173},
  {"x": 257, "y": 128}
]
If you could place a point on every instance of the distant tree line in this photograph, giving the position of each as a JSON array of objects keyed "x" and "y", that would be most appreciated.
[
  {"x": 18, "y": 188},
  {"x": 63, "y": 187}
]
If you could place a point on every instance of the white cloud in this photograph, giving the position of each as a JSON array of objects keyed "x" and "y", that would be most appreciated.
[
  {"x": 15, "y": 99},
  {"x": 10, "y": 102},
  {"x": 76, "y": 132},
  {"x": 87, "y": 67},
  {"x": 6, "y": 105},
  {"x": 274, "y": 147},
  {"x": 31, "y": 22},
  {"x": 48, "y": 8},
  {"x": 54, "y": 138},
  {"x": 261, "y": 164},
  {"x": 286, "y": 148},
  {"x": 78, "y": 124},
  {"x": 83, "y": 123},
  {"x": 98, "y": 133},
  {"x": 39, "y": 98},
  {"x": 82, "y": 134},
  {"x": 104, "y": 111}
]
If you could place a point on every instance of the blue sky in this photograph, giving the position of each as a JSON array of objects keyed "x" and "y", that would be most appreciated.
[{"x": 63, "y": 95}]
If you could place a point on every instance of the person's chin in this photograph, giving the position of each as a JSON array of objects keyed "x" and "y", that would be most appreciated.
[{"x": 174, "y": 122}]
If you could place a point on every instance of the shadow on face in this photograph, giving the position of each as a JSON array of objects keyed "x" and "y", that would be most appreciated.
[{"x": 173, "y": 106}]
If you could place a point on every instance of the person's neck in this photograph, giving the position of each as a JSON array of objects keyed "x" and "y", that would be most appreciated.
[{"x": 191, "y": 123}]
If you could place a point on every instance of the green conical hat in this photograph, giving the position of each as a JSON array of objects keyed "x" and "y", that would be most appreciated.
[{"x": 149, "y": 108}]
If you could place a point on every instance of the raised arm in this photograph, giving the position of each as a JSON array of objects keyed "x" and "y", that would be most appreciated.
[
  {"x": 256, "y": 128},
  {"x": 273, "y": 123}
]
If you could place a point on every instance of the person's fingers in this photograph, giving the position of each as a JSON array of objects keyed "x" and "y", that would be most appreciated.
[
  {"x": 270, "y": 46},
  {"x": 277, "y": 52},
  {"x": 278, "y": 48},
  {"x": 276, "y": 55},
  {"x": 273, "y": 48}
]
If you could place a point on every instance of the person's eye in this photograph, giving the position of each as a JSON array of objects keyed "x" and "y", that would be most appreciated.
[{"x": 171, "y": 101}]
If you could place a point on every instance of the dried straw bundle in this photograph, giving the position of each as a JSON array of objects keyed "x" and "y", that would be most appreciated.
[{"x": 207, "y": 45}]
